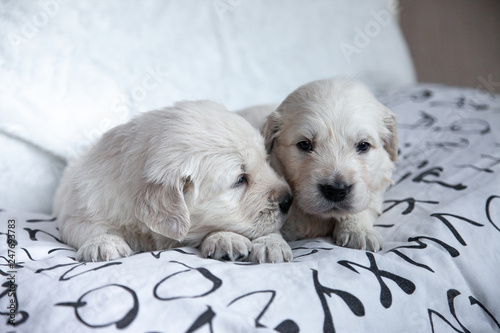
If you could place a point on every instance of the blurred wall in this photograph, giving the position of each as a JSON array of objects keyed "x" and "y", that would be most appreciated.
[{"x": 455, "y": 42}]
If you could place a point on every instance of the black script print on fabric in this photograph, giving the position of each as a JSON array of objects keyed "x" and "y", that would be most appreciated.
[
  {"x": 41, "y": 220},
  {"x": 474, "y": 301},
  {"x": 28, "y": 253},
  {"x": 436, "y": 172},
  {"x": 350, "y": 300},
  {"x": 157, "y": 255},
  {"x": 419, "y": 151},
  {"x": 488, "y": 210},
  {"x": 91, "y": 306},
  {"x": 206, "y": 318},
  {"x": 452, "y": 294},
  {"x": 428, "y": 176},
  {"x": 310, "y": 250},
  {"x": 426, "y": 121},
  {"x": 77, "y": 265},
  {"x": 446, "y": 220},
  {"x": 33, "y": 233},
  {"x": 420, "y": 246},
  {"x": 449, "y": 146},
  {"x": 410, "y": 204},
  {"x": 206, "y": 279},
  {"x": 488, "y": 168},
  {"x": 287, "y": 325},
  {"x": 385, "y": 293},
  {"x": 461, "y": 103},
  {"x": 60, "y": 249},
  {"x": 420, "y": 96},
  {"x": 464, "y": 126},
  {"x": 467, "y": 126}
]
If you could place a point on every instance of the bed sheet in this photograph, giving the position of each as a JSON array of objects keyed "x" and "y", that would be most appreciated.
[{"x": 438, "y": 272}]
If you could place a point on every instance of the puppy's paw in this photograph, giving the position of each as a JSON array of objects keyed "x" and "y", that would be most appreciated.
[
  {"x": 225, "y": 245},
  {"x": 271, "y": 248},
  {"x": 354, "y": 234},
  {"x": 104, "y": 248}
]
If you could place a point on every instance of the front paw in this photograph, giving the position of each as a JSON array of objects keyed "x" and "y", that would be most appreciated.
[
  {"x": 103, "y": 248},
  {"x": 355, "y": 234},
  {"x": 271, "y": 248},
  {"x": 225, "y": 245}
]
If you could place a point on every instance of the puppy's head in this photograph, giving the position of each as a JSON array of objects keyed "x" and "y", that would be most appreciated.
[
  {"x": 205, "y": 170},
  {"x": 334, "y": 143}
]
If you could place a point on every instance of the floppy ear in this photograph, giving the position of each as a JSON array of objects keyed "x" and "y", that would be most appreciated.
[
  {"x": 162, "y": 208},
  {"x": 270, "y": 129},
  {"x": 390, "y": 136}
]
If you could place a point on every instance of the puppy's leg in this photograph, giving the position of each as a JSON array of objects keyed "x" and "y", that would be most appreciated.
[
  {"x": 270, "y": 248},
  {"x": 103, "y": 248},
  {"x": 95, "y": 241},
  {"x": 226, "y": 245},
  {"x": 356, "y": 231}
]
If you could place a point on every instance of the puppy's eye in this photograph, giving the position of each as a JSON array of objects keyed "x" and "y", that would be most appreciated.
[
  {"x": 363, "y": 147},
  {"x": 305, "y": 146},
  {"x": 242, "y": 180}
]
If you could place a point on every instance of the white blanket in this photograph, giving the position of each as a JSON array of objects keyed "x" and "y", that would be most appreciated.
[{"x": 438, "y": 272}]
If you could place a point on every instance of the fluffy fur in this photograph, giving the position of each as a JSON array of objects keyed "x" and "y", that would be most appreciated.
[
  {"x": 335, "y": 145},
  {"x": 193, "y": 174}
]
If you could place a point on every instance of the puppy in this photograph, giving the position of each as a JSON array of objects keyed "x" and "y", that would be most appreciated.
[
  {"x": 335, "y": 144},
  {"x": 194, "y": 174}
]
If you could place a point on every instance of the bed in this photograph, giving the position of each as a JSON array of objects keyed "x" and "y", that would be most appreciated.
[{"x": 438, "y": 270}]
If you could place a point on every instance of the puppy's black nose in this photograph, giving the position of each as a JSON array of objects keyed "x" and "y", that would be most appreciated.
[
  {"x": 335, "y": 191},
  {"x": 285, "y": 203}
]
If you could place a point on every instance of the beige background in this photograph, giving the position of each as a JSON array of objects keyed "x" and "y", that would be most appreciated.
[{"x": 455, "y": 42}]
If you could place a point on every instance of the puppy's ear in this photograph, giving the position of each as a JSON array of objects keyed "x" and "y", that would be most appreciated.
[
  {"x": 271, "y": 129},
  {"x": 163, "y": 209},
  {"x": 390, "y": 134}
]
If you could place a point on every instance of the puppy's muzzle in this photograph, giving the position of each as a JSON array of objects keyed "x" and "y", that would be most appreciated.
[{"x": 335, "y": 192}]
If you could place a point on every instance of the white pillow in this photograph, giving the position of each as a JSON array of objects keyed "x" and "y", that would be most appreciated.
[{"x": 73, "y": 69}]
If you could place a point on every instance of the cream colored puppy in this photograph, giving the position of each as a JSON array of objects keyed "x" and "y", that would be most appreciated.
[
  {"x": 193, "y": 174},
  {"x": 335, "y": 145}
]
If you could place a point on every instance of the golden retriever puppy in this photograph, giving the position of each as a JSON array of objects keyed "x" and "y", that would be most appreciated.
[
  {"x": 335, "y": 145},
  {"x": 194, "y": 174}
]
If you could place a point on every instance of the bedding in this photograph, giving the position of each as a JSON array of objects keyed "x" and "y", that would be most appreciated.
[{"x": 438, "y": 271}]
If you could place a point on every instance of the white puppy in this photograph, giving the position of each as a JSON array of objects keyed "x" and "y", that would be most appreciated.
[
  {"x": 335, "y": 145},
  {"x": 188, "y": 175}
]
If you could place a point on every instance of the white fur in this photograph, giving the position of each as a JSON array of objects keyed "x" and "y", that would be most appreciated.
[
  {"x": 335, "y": 116},
  {"x": 170, "y": 178},
  {"x": 257, "y": 115}
]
